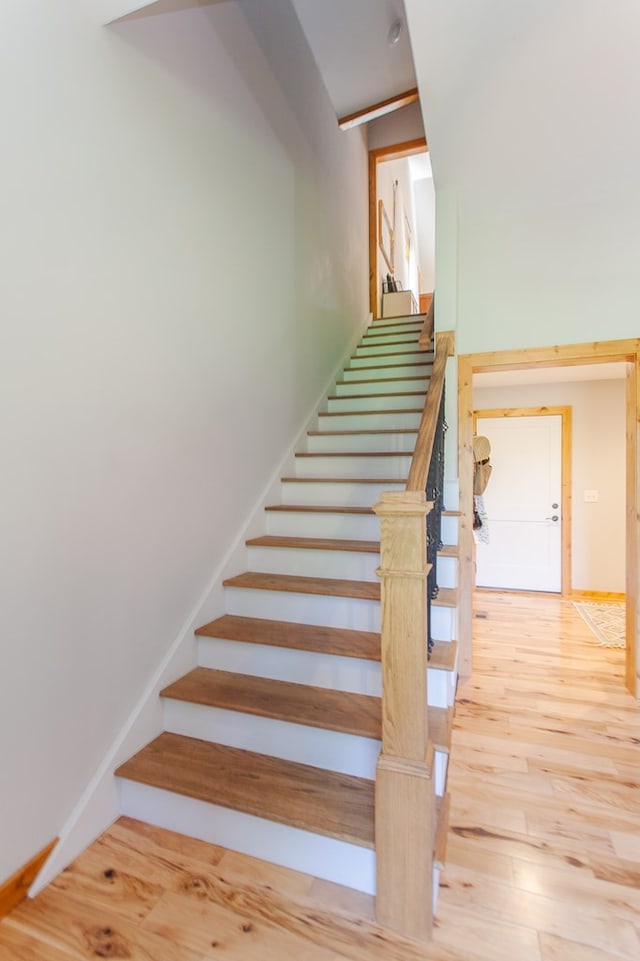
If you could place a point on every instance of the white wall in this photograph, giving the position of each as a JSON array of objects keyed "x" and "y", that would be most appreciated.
[
  {"x": 184, "y": 262},
  {"x": 598, "y": 463},
  {"x": 425, "y": 207},
  {"x": 527, "y": 109},
  {"x": 396, "y": 127}
]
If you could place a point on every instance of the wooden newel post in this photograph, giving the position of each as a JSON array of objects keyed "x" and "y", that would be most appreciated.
[{"x": 405, "y": 799}]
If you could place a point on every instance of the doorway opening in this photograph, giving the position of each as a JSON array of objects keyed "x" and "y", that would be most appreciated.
[
  {"x": 401, "y": 229},
  {"x": 626, "y": 352}
]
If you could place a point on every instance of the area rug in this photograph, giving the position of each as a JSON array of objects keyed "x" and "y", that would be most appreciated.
[{"x": 607, "y": 621}]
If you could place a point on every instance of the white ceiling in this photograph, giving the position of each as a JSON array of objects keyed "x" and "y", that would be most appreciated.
[{"x": 348, "y": 39}]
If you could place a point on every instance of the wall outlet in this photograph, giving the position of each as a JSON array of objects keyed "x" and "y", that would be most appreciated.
[{"x": 591, "y": 497}]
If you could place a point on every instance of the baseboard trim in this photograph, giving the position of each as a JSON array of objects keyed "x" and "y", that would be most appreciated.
[
  {"x": 596, "y": 595},
  {"x": 14, "y": 890},
  {"x": 573, "y": 595}
]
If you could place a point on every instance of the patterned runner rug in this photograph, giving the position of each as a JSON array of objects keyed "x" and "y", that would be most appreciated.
[{"x": 607, "y": 621}]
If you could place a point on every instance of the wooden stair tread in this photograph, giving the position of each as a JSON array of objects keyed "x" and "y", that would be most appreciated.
[
  {"x": 319, "y": 509},
  {"x": 370, "y": 413},
  {"x": 442, "y": 831},
  {"x": 354, "y": 453},
  {"x": 400, "y": 319},
  {"x": 353, "y": 433},
  {"x": 391, "y": 353},
  {"x": 447, "y": 597},
  {"x": 319, "y": 707},
  {"x": 381, "y": 380},
  {"x": 441, "y": 727},
  {"x": 380, "y": 332},
  {"x": 409, "y": 363},
  {"x": 297, "y": 584},
  {"x": 312, "y": 799},
  {"x": 443, "y": 655},
  {"x": 395, "y": 393},
  {"x": 449, "y": 550},
  {"x": 332, "y": 587},
  {"x": 315, "y": 543},
  {"x": 343, "y": 480},
  {"x": 358, "y": 714},
  {"x": 330, "y": 544},
  {"x": 369, "y": 340},
  {"x": 452, "y": 513},
  {"x": 339, "y": 641}
]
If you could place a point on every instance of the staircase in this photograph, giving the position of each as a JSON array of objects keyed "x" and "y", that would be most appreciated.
[{"x": 271, "y": 743}]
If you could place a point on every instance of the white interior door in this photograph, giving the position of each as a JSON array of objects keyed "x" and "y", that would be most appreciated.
[{"x": 523, "y": 503}]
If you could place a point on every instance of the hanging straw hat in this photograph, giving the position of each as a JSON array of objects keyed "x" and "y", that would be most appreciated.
[{"x": 481, "y": 449}]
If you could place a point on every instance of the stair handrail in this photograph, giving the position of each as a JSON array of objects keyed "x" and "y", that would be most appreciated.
[{"x": 419, "y": 470}]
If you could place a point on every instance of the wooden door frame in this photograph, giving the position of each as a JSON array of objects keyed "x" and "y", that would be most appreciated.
[
  {"x": 565, "y": 467},
  {"x": 598, "y": 352},
  {"x": 397, "y": 151}
]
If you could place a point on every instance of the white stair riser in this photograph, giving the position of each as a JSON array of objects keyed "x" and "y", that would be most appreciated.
[
  {"x": 367, "y": 443},
  {"x": 314, "y": 668},
  {"x": 373, "y": 348},
  {"x": 287, "y": 664},
  {"x": 318, "y": 609},
  {"x": 420, "y": 384},
  {"x": 397, "y": 371},
  {"x": 449, "y": 530},
  {"x": 315, "y": 854},
  {"x": 342, "y": 494},
  {"x": 401, "y": 322},
  {"x": 320, "y": 747},
  {"x": 451, "y": 495},
  {"x": 440, "y": 765},
  {"x": 411, "y": 335},
  {"x": 353, "y": 565},
  {"x": 443, "y": 623},
  {"x": 388, "y": 360},
  {"x": 365, "y": 527},
  {"x": 447, "y": 575},
  {"x": 436, "y": 889},
  {"x": 353, "y": 466},
  {"x": 380, "y": 420},
  {"x": 441, "y": 686},
  {"x": 397, "y": 402}
]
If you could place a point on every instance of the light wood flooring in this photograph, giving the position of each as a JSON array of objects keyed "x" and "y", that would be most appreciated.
[{"x": 543, "y": 861}]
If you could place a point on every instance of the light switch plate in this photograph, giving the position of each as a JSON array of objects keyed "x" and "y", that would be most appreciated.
[{"x": 591, "y": 497}]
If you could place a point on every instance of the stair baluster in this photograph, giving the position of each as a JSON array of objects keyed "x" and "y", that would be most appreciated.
[{"x": 435, "y": 494}]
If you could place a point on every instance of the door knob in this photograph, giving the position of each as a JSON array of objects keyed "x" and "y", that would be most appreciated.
[{"x": 554, "y": 518}]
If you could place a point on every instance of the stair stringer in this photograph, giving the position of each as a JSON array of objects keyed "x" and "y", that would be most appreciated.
[{"x": 99, "y": 804}]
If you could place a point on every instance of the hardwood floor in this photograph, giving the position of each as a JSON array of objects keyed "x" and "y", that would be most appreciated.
[{"x": 543, "y": 860}]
